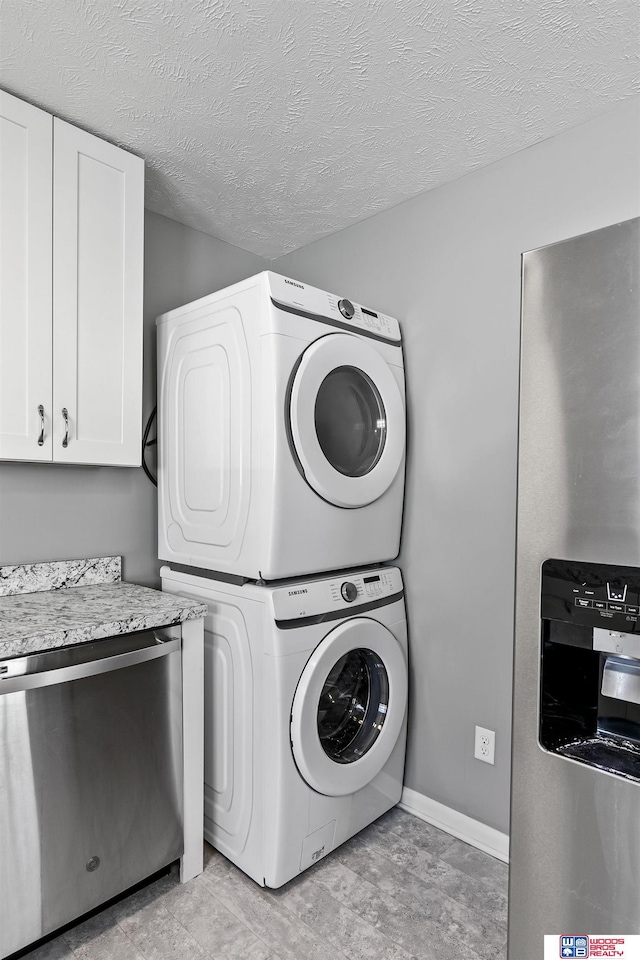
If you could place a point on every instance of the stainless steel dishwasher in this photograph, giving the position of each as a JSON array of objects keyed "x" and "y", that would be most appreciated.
[{"x": 90, "y": 777}]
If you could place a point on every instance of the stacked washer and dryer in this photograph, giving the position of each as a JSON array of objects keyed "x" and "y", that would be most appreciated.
[{"x": 281, "y": 481}]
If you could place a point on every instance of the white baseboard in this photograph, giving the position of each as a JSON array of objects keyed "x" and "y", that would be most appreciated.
[{"x": 459, "y": 825}]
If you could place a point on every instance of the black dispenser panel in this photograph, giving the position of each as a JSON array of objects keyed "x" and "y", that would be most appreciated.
[
  {"x": 591, "y": 595},
  {"x": 586, "y": 715}
]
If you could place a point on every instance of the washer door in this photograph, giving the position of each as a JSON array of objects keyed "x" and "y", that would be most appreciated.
[
  {"x": 347, "y": 420},
  {"x": 349, "y": 707}
]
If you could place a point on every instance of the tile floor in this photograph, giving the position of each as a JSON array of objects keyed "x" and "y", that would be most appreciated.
[{"x": 399, "y": 890}]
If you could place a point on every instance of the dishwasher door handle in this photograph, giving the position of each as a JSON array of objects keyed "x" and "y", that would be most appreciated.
[{"x": 91, "y": 668}]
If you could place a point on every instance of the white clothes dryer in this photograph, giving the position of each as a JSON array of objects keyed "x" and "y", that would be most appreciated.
[
  {"x": 281, "y": 432},
  {"x": 305, "y": 713}
]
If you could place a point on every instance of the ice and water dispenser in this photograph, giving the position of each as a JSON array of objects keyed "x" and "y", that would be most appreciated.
[{"x": 590, "y": 677}]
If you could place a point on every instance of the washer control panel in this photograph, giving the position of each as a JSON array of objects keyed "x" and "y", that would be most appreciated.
[{"x": 349, "y": 591}]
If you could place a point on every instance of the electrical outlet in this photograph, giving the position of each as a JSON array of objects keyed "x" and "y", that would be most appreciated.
[{"x": 485, "y": 745}]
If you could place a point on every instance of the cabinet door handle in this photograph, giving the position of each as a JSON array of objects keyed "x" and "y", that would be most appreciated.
[
  {"x": 41, "y": 434},
  {"x": 65, "y": 417}
]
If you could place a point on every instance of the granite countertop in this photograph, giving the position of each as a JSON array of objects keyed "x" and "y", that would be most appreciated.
[{"x": 43, "y": 606}]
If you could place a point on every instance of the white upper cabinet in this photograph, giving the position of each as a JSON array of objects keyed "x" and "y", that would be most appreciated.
[
  {"x": 25, "y": 281},
  {"x": 98, "y": 218},
  {"x": 91, "y": 342}
]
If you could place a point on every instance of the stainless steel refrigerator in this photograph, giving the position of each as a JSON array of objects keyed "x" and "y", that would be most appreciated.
[{"x": 575, "y": 808}]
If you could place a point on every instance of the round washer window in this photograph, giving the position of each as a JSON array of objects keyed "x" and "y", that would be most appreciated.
[
  {"x": 353, "y": 706},
  {"x": 350, "y": 419}
]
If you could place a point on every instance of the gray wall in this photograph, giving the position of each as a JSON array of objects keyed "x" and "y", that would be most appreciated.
[
  {"x": 447, "y": 264},
  {"x": 59, "y": 512}
]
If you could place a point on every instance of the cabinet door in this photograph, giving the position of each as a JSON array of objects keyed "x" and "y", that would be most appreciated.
[
  {"x": 98, "y": 192},
  {"x": 25, "y": 280}
]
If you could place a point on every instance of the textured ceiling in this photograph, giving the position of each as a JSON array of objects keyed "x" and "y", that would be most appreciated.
[{"x": 271, "y": 123}]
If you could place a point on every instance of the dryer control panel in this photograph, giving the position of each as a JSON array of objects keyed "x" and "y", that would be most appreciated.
[
  {"x": 350, "y": 591},
  {"x": 321, "y": 304}
]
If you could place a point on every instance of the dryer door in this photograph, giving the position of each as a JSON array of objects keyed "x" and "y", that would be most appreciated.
[
  {"x": 347, "y": 420},
  {"x": 349, "y": 707}
]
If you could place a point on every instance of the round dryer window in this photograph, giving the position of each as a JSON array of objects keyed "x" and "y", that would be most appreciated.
[
  {"x": 347, "y": 420},
  {"x": 349, "y": 707},
  {"x": 350, "y": 421}
]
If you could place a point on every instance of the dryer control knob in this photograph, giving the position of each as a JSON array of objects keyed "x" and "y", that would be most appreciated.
[
  {"x": 349, "y": 591},
  {"x": 346, "y": 308}
]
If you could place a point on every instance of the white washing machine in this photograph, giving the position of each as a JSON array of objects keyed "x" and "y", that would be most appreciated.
[
  {"x": 281, "y": 432},
  {"x": 305, "y": 713}
]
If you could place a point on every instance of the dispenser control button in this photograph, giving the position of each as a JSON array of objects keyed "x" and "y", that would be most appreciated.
[
  {"x": 584, "y": 603},
  {"x": 632, "y": 608},
  {"x": 616, "y": 607},
  {"x": 346, "y": 308},
  {"x": 599, "y": 604},
  {"x": 617, "y": 592},
  {"x": 349, "y": 591}
]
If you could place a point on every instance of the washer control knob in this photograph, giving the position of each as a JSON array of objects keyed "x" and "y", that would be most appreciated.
[
  {"x": 346, "y": 308},
  {"x": 349, "y": 591}
]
